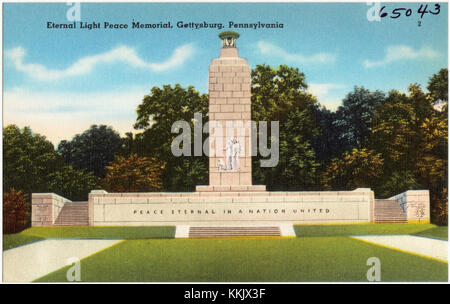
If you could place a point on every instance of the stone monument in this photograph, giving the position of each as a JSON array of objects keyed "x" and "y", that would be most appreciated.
[
  {"x": 230, "y": 162},
  {"x": 230, "y": 205}
]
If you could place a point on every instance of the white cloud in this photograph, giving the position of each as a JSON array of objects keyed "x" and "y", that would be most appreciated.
[
  {"x": 60, "y": 116},
  {"x": 322, "y": 92},
  {"x": 86, "y": 64},
  {"x": 267, "y": 48},
  {"x": 321, "y": 89},
  {"x": 402, "y": 52}
]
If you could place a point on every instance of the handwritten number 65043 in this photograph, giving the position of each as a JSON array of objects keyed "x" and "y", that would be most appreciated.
[{"x": 397, "y": 12}]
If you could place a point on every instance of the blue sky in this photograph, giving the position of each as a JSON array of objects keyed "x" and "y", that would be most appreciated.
[{"x": 60, "y": 81}]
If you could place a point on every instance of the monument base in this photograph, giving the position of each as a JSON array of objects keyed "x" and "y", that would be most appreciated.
[
  {"x": 231, "y": 188},
  {"x": 213, "y": 208}
]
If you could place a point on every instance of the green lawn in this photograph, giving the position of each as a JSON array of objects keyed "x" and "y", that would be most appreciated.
[
  {"x": 130, "y": 233},
  {"x": 438, "y": 232},
  {"x": 126, "y": 233},
  {"x": 364, "y": 229},
  {"x": 18, "y": 239},
  {"x": 308, "y": 259}
]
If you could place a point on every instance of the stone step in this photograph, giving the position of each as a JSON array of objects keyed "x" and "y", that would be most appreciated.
[
  {"x": 388, "y": 211},
  {"x": 73, "y": 214},
  {"x": 72, "y": 224},
  {"x": 205, "y": 232},
  {"x": 65, "y": 214}
]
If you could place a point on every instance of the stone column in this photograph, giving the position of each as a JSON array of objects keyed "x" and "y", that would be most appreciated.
[{"x": 230, "y": 165}]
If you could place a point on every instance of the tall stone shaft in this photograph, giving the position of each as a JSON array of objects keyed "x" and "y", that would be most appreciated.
[{"x": 229, "y": 117}]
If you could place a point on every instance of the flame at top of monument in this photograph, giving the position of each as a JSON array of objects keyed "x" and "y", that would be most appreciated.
[{"x": 229, "y": 39}]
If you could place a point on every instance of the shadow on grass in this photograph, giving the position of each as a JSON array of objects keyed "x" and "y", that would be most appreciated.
[
  {"x": 440, "y": 232},
  {"x": 124, "y": 233},
  {"x": 360, "y": 229}
]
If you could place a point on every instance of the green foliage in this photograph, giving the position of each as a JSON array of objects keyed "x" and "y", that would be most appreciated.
[
  {"x": 133, "y": 174},
  {"x": 188, "y": 174},
  {"x": 327, "y": 143},
  {"x": 156, "y": 114},
  {"x": 394, "y": 134},
  {"x": 92, "y": 150},
  {"x": 28, "y": 159},
  {"x": 72, "y": 183},
  {"x": 396, "y": 182},
  {"x": 276, "y": 91},
  {"x": 412, "y": 138},
  {"x": 358, "y": 169},
  {"x": 355, "y": 115},
  {"x": 16, "y": 211},
  {"x": 439, "y": 210},
  {"x": 32, "y": 165},
  {"x": 433, "y": 150},
  {"x": 438, "y": 85},
  {"x": 296, "y": 169},
  {"x": 278, "y": 94}
]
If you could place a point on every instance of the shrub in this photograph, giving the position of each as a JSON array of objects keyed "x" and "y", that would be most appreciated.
[{"x": 16, "y": 211}]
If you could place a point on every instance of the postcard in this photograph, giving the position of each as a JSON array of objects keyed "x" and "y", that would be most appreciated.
[{"x": 219, "y": 142}]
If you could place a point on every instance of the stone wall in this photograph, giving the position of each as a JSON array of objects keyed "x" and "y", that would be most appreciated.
[
  {"x": 416, "y": 204},
  {"x": 45, "y": 208},
  {"x": 206, "y": 208}
]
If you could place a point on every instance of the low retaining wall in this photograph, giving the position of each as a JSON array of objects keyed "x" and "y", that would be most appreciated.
[
  {"x": 416, "y": 205},
  {"x": 228, "y": 208},
  {"x": 45, "y": 208}
]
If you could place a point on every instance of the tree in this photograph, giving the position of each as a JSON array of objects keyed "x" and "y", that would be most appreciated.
[
  {"x": 188, "y": 174},
  {"x": 275, "y": 91},
  {"x": 438, "y": 86},
  {"x": 412, "y": 137},
  {"x": 432, "y": 161},
  {"x": 327, "y": 143},
  {"x": 133, "y": 174},
  {"x": 439, "y": 210},
  {"x": 92, "y": 150},
  {"x": 297, "y": 165},
  {"x": 31, "y": 165},
  {"x": 155, "y": 116},
  {"x": 395, "y": 182},
  {"x": 28, "y": 159},
  {"x": 72, "y": 183},
  {"x": 357, "y": 169},
  {"x": 394, "y": 133},
  {"x": 16, "y": 211},
  {"x": 355, "y": 115},
  {"x": 279, "y": 94}
]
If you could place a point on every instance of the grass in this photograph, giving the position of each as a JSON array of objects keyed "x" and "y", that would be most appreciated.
[
  {"x": 130, "y": 233},
  {"x": 363, "y": 229},
  {"x": 18, "y": 239},
  {"x": 438, "y": 232},
  {"x": 126, "y": 233},
  {"x": 309, "y": 259}
]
